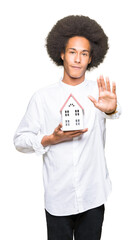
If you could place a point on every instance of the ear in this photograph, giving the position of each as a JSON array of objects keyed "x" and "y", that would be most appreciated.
[
  {"x": 90, "y": 59},
  {"x": 62, "y": 56}
]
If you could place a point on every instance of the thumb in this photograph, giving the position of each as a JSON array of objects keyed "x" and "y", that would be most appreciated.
[
  {"x": 59, "y": 127},
  {"x": 93, "y": 100}
]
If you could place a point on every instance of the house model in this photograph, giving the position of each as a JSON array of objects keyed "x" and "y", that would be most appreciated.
[{"x": 72, "y": 114}]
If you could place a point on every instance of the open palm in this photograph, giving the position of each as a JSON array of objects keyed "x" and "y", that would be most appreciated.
[{"x": 107, "y": 100}]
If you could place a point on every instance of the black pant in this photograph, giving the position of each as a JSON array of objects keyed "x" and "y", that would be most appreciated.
[{"x": 85, "y": 226}]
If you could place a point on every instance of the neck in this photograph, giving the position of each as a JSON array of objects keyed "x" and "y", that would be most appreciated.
[{"x": 72, "y": 81}]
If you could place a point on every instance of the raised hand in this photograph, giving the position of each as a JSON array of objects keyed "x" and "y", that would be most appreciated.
[{"x": 107, "y": 100}]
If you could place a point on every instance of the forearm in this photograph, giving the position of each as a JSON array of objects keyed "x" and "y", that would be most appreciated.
[
  {"x": 23, "y": 142},
  {"x": 52, "y": 139},
  {"x": 47, "y": 140},
  {"x": 30, "y": 132},
  {"x": 29, "y": 143}
]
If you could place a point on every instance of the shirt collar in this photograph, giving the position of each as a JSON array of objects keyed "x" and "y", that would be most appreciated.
[{"x": 76, "y": 87}]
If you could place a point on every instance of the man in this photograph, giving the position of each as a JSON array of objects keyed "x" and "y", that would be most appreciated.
[{"x": 76, "y": 179}]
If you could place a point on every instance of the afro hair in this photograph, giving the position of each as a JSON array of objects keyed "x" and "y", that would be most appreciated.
[{"x": 77, "y": 25}]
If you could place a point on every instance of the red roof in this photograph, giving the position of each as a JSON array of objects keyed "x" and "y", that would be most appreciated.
[{"x": 71, "y": 95}]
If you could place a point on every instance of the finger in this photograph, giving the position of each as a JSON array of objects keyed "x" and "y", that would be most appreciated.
[
  {"x": 59, "y": 127},
  {"x": 102, "y": 83},
  {"x": 85, "y": 130},
  {"x": 96, "y": 104},
  {"x": 99, "y": 85},
  {"x": 77, "y": 134},
  {"x": 68, "y": 133},
  {"x": 92, "y": 99},
  {"x": 82, "y": 130},
  {"x": 114, "y": 87},
  {"x": 71, "y": 133},
  {"x": 108, "y": 87}
]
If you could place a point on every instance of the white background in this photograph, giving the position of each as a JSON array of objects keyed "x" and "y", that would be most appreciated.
[{"x": 25, "y": 67}]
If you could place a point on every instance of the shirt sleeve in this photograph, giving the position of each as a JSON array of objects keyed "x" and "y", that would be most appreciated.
[
  {"x": 30, "y": 132},
  {"x": 115, "y": 115}
]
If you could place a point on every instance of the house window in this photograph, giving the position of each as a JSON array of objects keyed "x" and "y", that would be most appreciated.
[
  {"x": 77, "y": 121},
  {"x": 66, "y": 112},
  {"x": 71, "y": 104},
  {"x": 67, "y": 122},
  {"x": 76, "y": 112}
]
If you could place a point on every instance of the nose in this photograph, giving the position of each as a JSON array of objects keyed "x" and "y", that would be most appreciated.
[{"x": 77, "y": 58}]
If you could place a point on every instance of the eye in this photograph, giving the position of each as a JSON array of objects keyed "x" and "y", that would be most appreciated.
[
  {"x": 84, "y": 54},
  {"x": 72, "y": 52}
]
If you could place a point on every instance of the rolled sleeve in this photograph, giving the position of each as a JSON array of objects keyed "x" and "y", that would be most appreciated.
[
  {"x": 31, "y": 130},
  {"x": 38, "y": 147}
]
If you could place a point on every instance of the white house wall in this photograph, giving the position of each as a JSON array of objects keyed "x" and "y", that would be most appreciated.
[{"x": 72, "y": 116}]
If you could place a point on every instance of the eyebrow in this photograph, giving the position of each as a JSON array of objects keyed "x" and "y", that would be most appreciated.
[{"x": 82, "y": 50}]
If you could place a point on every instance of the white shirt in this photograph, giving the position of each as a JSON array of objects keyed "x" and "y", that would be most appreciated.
[{"x": 75, "y": 173}]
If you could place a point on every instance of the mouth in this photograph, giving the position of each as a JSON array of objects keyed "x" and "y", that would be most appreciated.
[{"x": 76, "y": 67}]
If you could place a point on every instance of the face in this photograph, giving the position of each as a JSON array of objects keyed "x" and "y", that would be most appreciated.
[{"x": 76, "y": 57}]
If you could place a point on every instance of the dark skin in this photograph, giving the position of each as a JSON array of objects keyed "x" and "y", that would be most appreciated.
[
  {"x": 75, "y": 61},
  {"x": 60, "y": 136}
]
